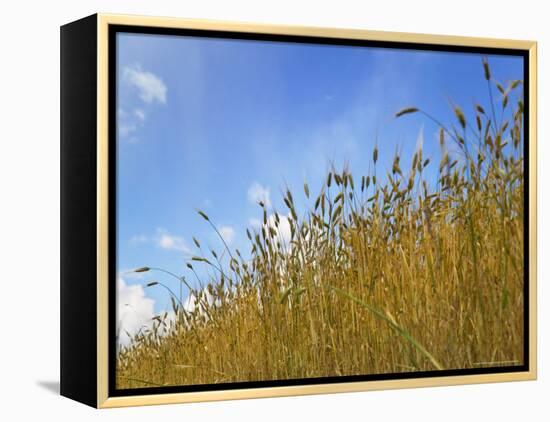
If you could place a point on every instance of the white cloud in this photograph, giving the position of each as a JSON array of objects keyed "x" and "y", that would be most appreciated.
[
  {"x": 126, "y": 129},
  {"x": 283, "y": 229},
  {"x": 150, "y": 87},
  {"x": 227, "y": 233},
  {"x": 134, "y": 310},
  {"x": 129, "y": 123},
  {"x": 420, "y": 139},
  {"x": 255, "y": 223},
  {"x": 140, "y": 114},
  {"x": 257, "y": 193},
  {"x": 166, "y": 240},
  {"x": 138, "y": 238},
  {"x": 191, "y": 303},
  {"x": 130, "y": 274}
]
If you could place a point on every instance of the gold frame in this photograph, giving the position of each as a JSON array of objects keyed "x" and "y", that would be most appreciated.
[{"x": 103, "y": 400}]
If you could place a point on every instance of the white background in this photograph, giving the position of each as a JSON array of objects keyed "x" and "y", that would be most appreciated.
[{"x": 29, "y": 209}]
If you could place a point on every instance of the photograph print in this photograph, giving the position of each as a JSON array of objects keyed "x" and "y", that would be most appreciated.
[{"x": 293, "y": 210}]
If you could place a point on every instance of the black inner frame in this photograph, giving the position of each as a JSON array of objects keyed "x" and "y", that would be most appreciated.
[{"x": 112, "y": 169}]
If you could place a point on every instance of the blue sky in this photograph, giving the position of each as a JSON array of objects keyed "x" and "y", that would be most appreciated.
[{"x": 216, "y": 124}]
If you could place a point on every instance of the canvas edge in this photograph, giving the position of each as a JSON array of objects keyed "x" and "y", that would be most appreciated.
[
  {"x": 77, "y": 210},
  {"x": 102, "y": 212},
  {"x": 533, "y": 203},
  {"x": 103, "y": 22}
]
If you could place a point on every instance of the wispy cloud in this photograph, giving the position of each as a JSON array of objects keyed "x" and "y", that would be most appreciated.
[
  {"x": 255, "y": 223},
  {"x": 150, "y": 87},
  {"x": 126, "y": 130},
  {"x": 140, "y": 114},
  {"x": 257, "y": 193},
  {"x": 126, "y": 123},
  {"x": 130, "y": 274},
  {"x": 168, "y": 241},
  {"x": 164, "y": 240},
  {"x": 227, "y": 233},
  {"x": 420, "y": 139},
  {"x": 138, "y": 239}
]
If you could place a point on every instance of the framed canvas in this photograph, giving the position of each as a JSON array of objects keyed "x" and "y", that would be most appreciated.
[{"x": 257, "y": 211}]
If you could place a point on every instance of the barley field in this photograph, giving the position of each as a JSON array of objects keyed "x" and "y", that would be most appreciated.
[{"x": 395, "y": 270}]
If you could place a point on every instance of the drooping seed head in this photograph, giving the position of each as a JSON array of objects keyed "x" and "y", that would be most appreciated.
[
  {"x": 289, "y": 196},
  {"x": 317, "y": 201},
  {"x": 407, "y": 110},
  {"x": 203, "y": 215},
  {"x": 415, "y": 160},
  {"x": 196, "y": 242},
  {"x": 460, "y": 116},
  {"x": 486, "y": 69}
]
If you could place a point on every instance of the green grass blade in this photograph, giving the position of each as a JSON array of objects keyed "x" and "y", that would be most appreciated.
[{"x": 400, "y": 330}]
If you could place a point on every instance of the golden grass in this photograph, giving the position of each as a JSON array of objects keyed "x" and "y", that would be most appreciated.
[{"x": 380, "y": 276}]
